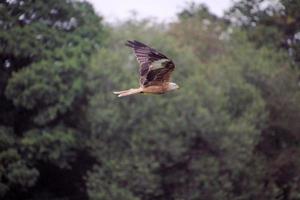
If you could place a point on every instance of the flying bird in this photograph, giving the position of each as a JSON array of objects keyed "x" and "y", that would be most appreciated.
[{"x": 155, "y": 71}]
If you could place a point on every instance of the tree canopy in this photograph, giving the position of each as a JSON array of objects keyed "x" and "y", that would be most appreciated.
[{"x": 230, "y": 132}]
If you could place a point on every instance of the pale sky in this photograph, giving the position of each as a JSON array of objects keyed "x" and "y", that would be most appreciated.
[{"x": 161, "y": 10}]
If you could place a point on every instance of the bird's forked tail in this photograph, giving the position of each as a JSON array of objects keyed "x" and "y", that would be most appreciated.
[{"x": 128, "y": 92}]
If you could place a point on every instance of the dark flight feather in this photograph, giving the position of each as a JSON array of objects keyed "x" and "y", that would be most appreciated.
[{"x": 155, "y": 67}]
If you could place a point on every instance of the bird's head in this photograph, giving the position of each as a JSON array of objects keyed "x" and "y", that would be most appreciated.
[{"x": 173, "y": 86}]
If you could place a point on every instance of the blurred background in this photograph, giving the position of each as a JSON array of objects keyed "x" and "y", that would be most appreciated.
[{"x": 231, "y": 132}]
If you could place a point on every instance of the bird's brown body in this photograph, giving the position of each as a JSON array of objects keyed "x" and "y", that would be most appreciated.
[
  {"x": 156, "y": 89},
  {"x": 155, "y": 71}
]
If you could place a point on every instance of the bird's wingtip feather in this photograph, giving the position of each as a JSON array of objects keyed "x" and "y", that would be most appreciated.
[
  {"x": 134, "y": 43},
  {"x": 129, "y": 43}
]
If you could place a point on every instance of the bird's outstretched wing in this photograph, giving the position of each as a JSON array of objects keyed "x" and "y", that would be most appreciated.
[{"x": 155, "y": 67}]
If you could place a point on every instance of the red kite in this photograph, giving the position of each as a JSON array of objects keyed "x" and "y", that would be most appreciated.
[{"x": 155, "y": 71}]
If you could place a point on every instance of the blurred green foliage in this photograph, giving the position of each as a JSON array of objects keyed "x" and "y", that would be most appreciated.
[
  {"x": 230, "y": 132},
  {"x": 270, "y": 23},
  {"x": 45, "y": 51}
]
